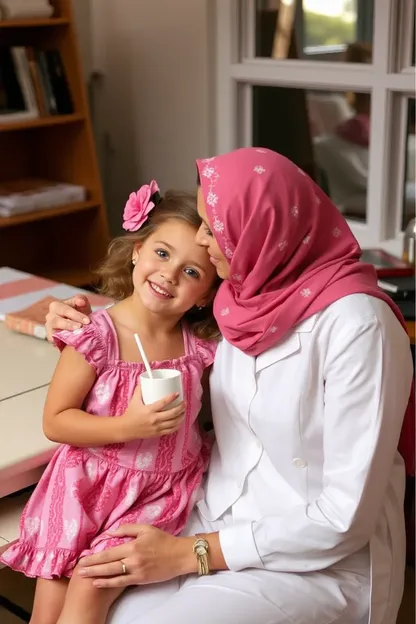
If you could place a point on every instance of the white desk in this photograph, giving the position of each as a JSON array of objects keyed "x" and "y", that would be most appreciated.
[{"x": 26, "y": 367}]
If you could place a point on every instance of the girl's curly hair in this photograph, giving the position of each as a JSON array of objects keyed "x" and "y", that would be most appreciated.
[{"x": 115, "y": 271}]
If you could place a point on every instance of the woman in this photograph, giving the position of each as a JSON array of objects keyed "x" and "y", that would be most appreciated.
[{"x": 302, "y": 515}]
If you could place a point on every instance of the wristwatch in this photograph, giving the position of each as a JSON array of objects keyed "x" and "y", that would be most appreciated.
[{"x": 200, "y": 549}]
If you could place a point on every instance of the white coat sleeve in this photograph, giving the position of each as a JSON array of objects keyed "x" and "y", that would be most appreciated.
[{"x": 368, "y": 374}]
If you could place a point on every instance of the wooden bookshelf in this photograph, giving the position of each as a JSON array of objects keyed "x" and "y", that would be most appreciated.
[
  {"x": 41, "y": 122},
  {"x": 31, "y": 23},
  {"x": 66, "y": 242}
]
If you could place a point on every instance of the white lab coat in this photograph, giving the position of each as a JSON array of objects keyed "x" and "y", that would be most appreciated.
[{"x": 305, "y": 484}]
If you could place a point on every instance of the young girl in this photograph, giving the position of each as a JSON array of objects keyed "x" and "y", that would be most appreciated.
[{"x": 121, "y": 461}]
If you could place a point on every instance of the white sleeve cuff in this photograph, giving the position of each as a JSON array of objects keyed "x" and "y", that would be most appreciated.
[{"x": 239, "y": 548}]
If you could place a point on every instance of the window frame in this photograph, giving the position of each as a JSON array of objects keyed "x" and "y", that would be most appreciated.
[{"x": 389, "y": 79}]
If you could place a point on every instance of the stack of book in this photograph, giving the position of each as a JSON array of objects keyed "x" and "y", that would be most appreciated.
[
  {"x": 23, "y": 9},
  {"x": 33, "y": 83},
  {"x": 28, "y": 195}
]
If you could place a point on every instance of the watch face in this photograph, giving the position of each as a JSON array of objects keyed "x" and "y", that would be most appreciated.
[{"x": 200, "y": 547}]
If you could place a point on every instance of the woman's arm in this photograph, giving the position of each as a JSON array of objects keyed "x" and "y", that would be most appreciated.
[
  {"x": 63, "y": 419},
  {"x": 152, "y": 557},
  {"x": 70, "y": 314}
]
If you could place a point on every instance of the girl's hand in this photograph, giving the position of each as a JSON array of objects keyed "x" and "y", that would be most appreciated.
[
  {"x": 152, "y": 557},
  {"x": 70, "y": 314},
  {"x": 149, "y": 421}
]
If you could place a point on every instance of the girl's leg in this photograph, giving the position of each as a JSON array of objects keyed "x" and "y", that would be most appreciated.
[
  {"x": 86, "y": 604},
  {"x": 49, "y": 600}
]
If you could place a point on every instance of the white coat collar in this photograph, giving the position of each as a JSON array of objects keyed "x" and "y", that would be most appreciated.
[{"x": 286, "y": 347}]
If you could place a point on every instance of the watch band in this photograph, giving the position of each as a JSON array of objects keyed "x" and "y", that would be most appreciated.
[{"x": 200, "y": 549}]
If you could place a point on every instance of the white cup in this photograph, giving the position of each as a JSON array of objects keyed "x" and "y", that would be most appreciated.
[{"x": 165, "y": 381}]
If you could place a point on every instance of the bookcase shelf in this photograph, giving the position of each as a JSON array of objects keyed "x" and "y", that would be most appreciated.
[
  {"x": 33, "y": 23},
  {"x": 50, "y": 213},
  {"x": 39, "y": 122},
  {"x": 66, "y": 242}
]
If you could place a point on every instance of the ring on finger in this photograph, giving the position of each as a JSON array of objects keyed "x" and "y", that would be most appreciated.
[{"x": 123, "y": 567}]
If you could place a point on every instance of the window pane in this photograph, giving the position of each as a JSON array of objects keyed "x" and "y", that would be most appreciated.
[
  {"x": 316, "y": 30},
  {"x": 409, "y": 194},
  {"x": 324, "y": 133}
]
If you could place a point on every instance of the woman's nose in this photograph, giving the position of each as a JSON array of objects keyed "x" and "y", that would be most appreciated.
[{"x": 201, "y": 238}]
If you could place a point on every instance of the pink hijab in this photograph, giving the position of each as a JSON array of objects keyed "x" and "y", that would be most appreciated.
[{"x": 290, "y": 250}]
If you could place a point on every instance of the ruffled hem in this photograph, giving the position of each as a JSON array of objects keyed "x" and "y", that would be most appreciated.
[{"x": 40, "y": 562}]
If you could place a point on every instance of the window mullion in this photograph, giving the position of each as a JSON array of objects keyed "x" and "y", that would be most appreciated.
[{"x": 227, "y": 52}]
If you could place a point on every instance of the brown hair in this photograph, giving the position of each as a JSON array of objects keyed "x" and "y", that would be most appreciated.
[{"x": 116, "y": 270}]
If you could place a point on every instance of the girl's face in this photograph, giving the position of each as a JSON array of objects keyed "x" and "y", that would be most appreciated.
[
  {"x": 172, "y": 273},
  {"x": 206, "y": 239}
]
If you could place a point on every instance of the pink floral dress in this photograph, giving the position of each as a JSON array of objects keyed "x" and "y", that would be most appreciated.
[{"x": 86, "y": 492}]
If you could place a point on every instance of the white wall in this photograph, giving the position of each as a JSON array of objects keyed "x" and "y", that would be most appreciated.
[{"x": 153, "y": 105}]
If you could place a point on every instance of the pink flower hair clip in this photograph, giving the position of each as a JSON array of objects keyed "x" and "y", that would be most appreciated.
[{"x": 139, "y": 205}]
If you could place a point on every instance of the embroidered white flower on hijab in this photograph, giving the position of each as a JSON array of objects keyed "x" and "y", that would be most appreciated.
[
  {"x": 237, "y": 277},
  {"x": 208, "y": 171},
  {"x": 336, "y": 232},
  {"x": 306, "y": 292},
  {"x": 207, "y": 160},
  {"x": 282, "y": 245},
  {"x": 225, "y": 311},
  {"x": 273, "y": 329},
  {"x": 259, "y": 169},
  {"x": 212, "y": 199},
  {"x": 218, "y": 225},
  {"x": 306, "y": 240},
  {"x": 295, "y": 211}
]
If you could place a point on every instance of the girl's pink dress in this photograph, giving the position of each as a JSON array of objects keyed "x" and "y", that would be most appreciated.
[{"x": 86, "y": 492}]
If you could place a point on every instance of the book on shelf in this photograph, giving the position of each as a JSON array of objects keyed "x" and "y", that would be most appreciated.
[
  {"x": 23, "y": 9},
  {"x": 25, "y": 300},
  {"x": 33, "y": 83},
  {"x": 30, "y": 194}
]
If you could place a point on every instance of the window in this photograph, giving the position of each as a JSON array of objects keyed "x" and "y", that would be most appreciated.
[
  {"x": 283, "y": 64},
  {"x": 322, "y": 29}
]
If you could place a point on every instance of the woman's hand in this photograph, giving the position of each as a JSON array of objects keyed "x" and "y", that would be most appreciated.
[
  {"x": 152, "y": 557},
  {"x": 141, "y": 421},
  {"x": 70, "y": 314}
]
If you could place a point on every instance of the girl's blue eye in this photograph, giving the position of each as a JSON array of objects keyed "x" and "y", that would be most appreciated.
[
  {"x": 162, "y": 253},
  {"x": 192, "y": 273}
]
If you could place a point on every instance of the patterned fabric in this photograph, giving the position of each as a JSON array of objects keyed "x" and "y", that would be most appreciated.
[
  {"x": 84, "y": 493},
  {"x": 290, "y": 250}
]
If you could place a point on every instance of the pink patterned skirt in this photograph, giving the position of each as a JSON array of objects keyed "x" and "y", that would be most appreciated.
[{"x": 81, "y": 497}]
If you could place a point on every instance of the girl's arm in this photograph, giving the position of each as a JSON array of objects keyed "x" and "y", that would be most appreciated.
[{"x": 63, "y": 419}]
